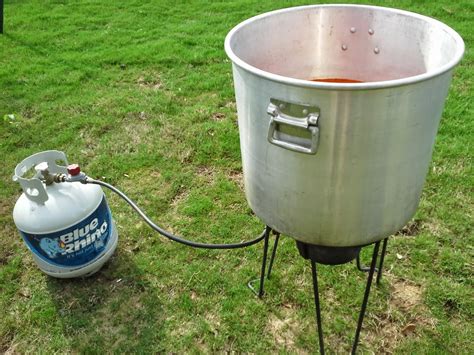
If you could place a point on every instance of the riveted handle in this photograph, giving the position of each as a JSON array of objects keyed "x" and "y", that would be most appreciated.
[{"x": 303, "y": 135}]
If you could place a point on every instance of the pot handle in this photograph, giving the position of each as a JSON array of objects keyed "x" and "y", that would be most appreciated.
[{"x": 300, "y": 116}]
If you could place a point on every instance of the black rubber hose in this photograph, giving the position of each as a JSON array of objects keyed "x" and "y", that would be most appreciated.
[{"x": 170, "y": 235}]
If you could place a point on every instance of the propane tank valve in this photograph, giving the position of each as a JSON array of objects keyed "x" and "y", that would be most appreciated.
[
  {"x": 75, "y": 174},
  {"x": 42, "y": 169}
]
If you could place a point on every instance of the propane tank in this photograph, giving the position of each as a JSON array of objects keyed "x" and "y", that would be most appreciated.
[{"x": 67, "y": 226}]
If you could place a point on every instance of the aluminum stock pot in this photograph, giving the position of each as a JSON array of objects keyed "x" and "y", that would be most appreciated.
[{"x": 339, "y": 162}]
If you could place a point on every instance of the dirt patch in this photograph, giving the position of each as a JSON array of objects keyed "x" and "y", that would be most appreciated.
[
  {"x": 185, "y": 328},
  {"x": 436, "y": 227},
  {"x": 203, "y": 349},
  {"x": 214, "y": 322},
  {"x": 411, "y": 229},
  {"x": 134, "y": 133},
  {"x": 231, "y": 104},
  {"x": 281, "y": 331},
  {"x": 185, "y": 156},
  {"x": 237, "y": 177},
  {"x": 386, "y": 336},
  {"x": 405, "y": 316},
  {"x": 181, "y": 196},
  {"x": 390, "y": 332},
  {"x": 137, "y": 132},
  {"x": 406, "y": 296},
  {"x": 284, "y": 329},
  {"x": 457, "y": 167},
  {"x": 218, "y": 116},
  {"x": 29, "y": 112},
  {"x": 5, "y": 258},
  {"x": 451, "y": 307},
  {"x": 151, "y": 82},
  {"x": 6, "y": 346},
  {"x": 206, "y": 172}
]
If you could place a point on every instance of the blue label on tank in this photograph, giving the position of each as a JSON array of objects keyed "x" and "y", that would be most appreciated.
[{"x": 76, "y": 245}]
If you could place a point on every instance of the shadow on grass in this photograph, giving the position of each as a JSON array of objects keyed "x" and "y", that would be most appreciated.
[{"x": 115, "y": 309}]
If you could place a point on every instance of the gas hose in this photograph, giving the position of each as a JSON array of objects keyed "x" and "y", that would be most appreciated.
[{"x": 165, "y": 233}]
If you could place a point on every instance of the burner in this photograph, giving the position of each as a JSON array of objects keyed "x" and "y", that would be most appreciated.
[{"x": 327, "y": 255}]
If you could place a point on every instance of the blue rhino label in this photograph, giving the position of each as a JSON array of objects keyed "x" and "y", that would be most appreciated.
[{"x": 77, "y": 245}]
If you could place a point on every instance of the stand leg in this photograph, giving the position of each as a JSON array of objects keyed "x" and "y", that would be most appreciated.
[
  {"x": 382, "y": 257},
  {"x": 1, "y": 16},
  {"x": 272, "y": 258},
  {"x": 251, "y": 283},
  {"x": 318, "y": 308},
  {"x": 366, "y": 296},
  {"x": 359, "y": 266},
  {"x": 264, "y": 261}
]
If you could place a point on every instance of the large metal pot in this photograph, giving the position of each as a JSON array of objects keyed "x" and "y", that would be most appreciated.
[{"x": 339, "y": 164}]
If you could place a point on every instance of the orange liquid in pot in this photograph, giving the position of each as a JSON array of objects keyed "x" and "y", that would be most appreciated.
[{"x": 338, "y": 80}]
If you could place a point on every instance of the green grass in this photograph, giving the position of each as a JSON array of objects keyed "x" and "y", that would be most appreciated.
[{"x": 140, "y": 93}]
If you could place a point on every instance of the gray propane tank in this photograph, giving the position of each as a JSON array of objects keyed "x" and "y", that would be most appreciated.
[{"x": 68, "y": 227}]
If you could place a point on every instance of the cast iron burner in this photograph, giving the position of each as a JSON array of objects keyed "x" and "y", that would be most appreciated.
[{"x": 328, "y": 256}]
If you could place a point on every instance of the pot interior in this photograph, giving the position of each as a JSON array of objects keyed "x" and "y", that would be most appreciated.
[{"x": 360, "y": 43}]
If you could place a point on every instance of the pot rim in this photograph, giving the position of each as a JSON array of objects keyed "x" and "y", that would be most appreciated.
[{"x": 346, "y": 86}]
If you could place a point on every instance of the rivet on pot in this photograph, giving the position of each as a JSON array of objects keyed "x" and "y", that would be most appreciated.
[
  {"x": 353, "y": 29},
  {"x": 312, "y": 120},
  {"x": 371, "y": 31},
  {"x": 282, "y": 106},
  {"x": 376, "y": 50},
  {"x": 305, "y": 112},
  {"x": 344, "y": 47}
]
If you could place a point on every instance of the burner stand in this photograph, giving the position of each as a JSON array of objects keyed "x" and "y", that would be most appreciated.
[{"x": 328, "y": 256}]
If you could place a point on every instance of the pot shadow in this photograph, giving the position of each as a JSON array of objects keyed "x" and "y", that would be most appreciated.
[{"x": 117, "y": 309}]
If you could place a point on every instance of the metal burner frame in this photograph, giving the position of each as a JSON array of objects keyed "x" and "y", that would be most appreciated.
[{"x": 371, "y": 270}]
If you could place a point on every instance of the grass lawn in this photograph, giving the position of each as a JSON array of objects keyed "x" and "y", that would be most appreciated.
[{"x": 140, "y": 94}]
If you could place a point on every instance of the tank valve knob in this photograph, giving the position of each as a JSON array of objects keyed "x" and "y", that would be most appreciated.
[
  {"x": 75, "y": 173},
  {"x": 73, "y": 169}
]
